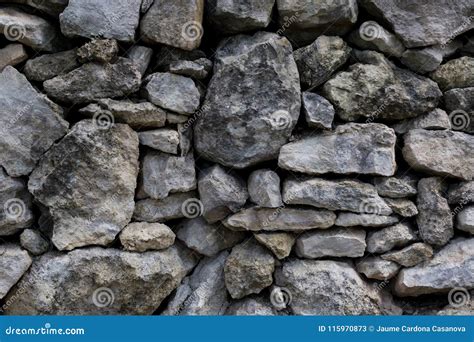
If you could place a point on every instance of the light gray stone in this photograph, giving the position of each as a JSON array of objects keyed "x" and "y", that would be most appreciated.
[
  {"x": 12, "y": 54},
  {"x": 318, "y": 111},
  {"x": 164, "y": 139},
  {"x": 14, "y": 262},
  {"x": 98, "y": 50},
  {"x": 465, "y": 220},
  {"x": 34, "y": 242},
  {"x": 402, "y": 206},
  {"x": 437, "y": 119},
  {"x": 279, "y": 243},
  {"x": 141, "y": 57},
  {"x": 364, "y": 220},
  {"x": 396, "y": 187},
  {"x": 385, "y": 239},
  {"x": 250, "y": 306},
  {"x": 198, "y": 69},
  {"x": 264, "y": 188},
  {"x": 461, "y": 193},
  {"x": 377, "y": 268},
  {"x": 47, "y": 66},
  {"x": 457, "y": 73},
  {"x": 143, "y": 236},
  {"x": 411, "y": 255}
]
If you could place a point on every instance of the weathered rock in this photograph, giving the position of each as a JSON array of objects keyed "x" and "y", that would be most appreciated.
[
  {"x": 402, "y": 206},
  {"x": 428, "y": 59},
  {"x": 459, "y": 103},
  {"x": 364, "y": 220},
  {"x": 34, "y": 242},
  {"x": 231, "y": 17},
  {"x": 141, "y": 115},
  {"x": 47, "y": 66},
  {"x": 377, "y": 268},
  {"x": 318, "y": 111},
  {"x": 461, "y": 193},
  {"x": 385, "y": 239},
  {"x": 264, "y": 188},
  {"x": 396, "y": 187},
  {"x": 336, "y": 242},
  {"x": 163, "y": 173},
  {"x": 411, "y": 255},
  {"x": 351, "y": 148},
  {"x": 28, "y": 124},
  {"x": 318, "y": 61},
  {"x": 98, "y": 50},
  {"x": 325, "y": 287},
  {"x": 89, "y": 195},
  {"x": 174, "y": 92},
  {"x": 203, "y": 292},
  {"x": 141, "y": 56},
  {"x": 257, "y": 76},
  {"x": 167, "y": 55},
  {"x": 14, "y": 262},
  {"x": 348, "y": 195},
  {"x": 379, "y": 90},
  {"x": 248, "y": 269},
  {"x": 12, "y": 54},
  {"x": 30, "y": 30},
  {"x": 222, "y": 193},
  {"x": 443, "y": 153},
  {"x": 434, "y": 120},
  {"x": 92, "y": 19},
  {"x": 456, "y": 73},
  {"x": 164, "y": 139},
  {"x": 250, "y": 306},
  {"x": 94, "y": 81},
  {"x": 94, "y": 281},
  {"x": 198, "y": 69},
  {"x": 206, "y": 238},
  {"x": 50, "y": 7},
  {"x": 465, "y": 220},
  {"x": 142, "y": 236},
  {"x": 451, "y": 267},
  {"x": 279, "y": 243},
  {"x": 437, "y": 22},
  {"x": 286, "y": 219},
  {"x": 185, "y": 139},
  {"x": 174, "y": 23}
]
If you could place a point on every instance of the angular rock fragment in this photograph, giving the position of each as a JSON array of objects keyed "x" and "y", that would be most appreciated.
[
  {"x": 163, "y": 173},
  {"x": 164, "y": 139},
  {"x": 437, "y": 119},
  {"x": 89, "y": 195},
  {"x": 94, "y": 81},
  {"x": 98, "y": 50},
  {"x": 385, "y": 239},
  {"x": 459, "y": 103},
  {"x": 461, "y": 193},
  {"x": 396, "y": 187},
  {"x": 364, "y": 220},
  {"x": 173, "y": 92},
  {"x": 336, "y": 242},
  {"x": 143, "y": 236},
  {"x": 47, "y": 66},
  {"x": 169, "y": 208},
  {"x": 257, "y": 76},
  {"x": 377, "y": 268},
  {"x": 206, "y": 238},
  {"x": 12, "y": 54},
  {"x": 318, "y": 111},
  {"x": 348, "y": 195},
  {"x": 402, "y": 206},
  {"x": 222, "y": 193},
  {"x": 98, "y": 281},
  {"x": 286, "y": 219},
  {"x": 264, "y": 188},
  {"x": 174, "y": 23},
  {"x": 456, "y": 73},
  {"x": 28, "y": 124},
  {"x": 325, "y": 287},
  {"x": 141, "y": 57},
  {"x": 34, "y": 242},
  {"x": 351, "y": 148},
  {"x": 411, "y": 255},
  {"x": 248, "y": 269},
  {"x": 465, "y": 220},
  {"x": 92, "y": 19},
  {"x": 428, "y": 59},
  {"x": 443, "y": 153},
  {"x": 250, "y": 306},
  {"x": 318, "y": 61},
  {"x": 14, "y": 262},
  {"x": 279, "y": 243},
  {"x": 198, "y": 69}
]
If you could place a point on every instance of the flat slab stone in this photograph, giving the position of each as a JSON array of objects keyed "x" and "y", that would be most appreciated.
[
  {"x": 164, "y": 140},
  {"x": 364, "y": 220},
  {"x": 377, "y": 268},
  {"x": 385, "y": 239},
  {"x": 411, "y": 255},
  {"x": 12, "y": 54},
  {"x": 143, "y": 236}
]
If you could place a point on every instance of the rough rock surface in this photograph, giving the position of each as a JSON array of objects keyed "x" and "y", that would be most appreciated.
[
  {"x": 279, "y": 243},
  {"x": 165, "y": 140},
  {"x": 12, "y": 54},
  {"x": 437, "y": 119},
  {"x": 142, "y": 236},
  {"x": 364, "y": 220},
  {"x": 98, "y": 50},
  {"x": 428, "y": 59},
  {"x": 411, "y": 255},
  {"x": 318, "y": 111},
  {"x": 47, "y": 66},
  {"x": 385, "y": 239},
  {"x": 402, "y": 206},
  {"x": 34, "y": 242},
  {"x": 250, "y": 306},
  {"x": 462, "y": 192},
  {"x": 264, "y": 188},
  {"x": 14, "y": 262},
  {"x": 377, "y": 268},
  {"x": 396, "y": 187},
  {"x": 465, "y": 220},
  {"x": 456, "y": 73},
  {"x": 169, "y": 208}
]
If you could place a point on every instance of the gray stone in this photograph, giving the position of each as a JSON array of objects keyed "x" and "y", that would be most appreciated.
[
  {"x": 459, "y": 103},
  {"x": 50, "y": 7},
  {"x": 396, "y": 187},
  {"x": 185, "y": 139},
  {"x": 141, "y": 115},
  {"x": 318, "y": 111},
  {"x": 377, "y": 268},
  {"x": 177, "y": 23},
  {"x": 461, "y": 193},
  {"x": 14, "y": 262},
  {"x": 279, "y": 243},
  {"x": 163, "y": 173},
  {"x": 98, "y": 281},
  {"x": 250, "y": 306},
  {"x": 34, "y": 242},
  {"x": 28, "y": 124},
  {"x": 428, "y": 59},
  {"x": 198, "y": 69},
  {"x": 456, "y": 73},
  {"x": 411, "y": 255},
  {"x": 379, "y": 90},
  {"x": 98, "y": 50},
  {"x": 141, "y": 56},
  {"x": 451, "y": 267},
  {"x": 167, "y": 55},
  {"x": 385, "y": 239},
  {"x": 285, "y": 219},
  {"x": 318, "y": 61},
  {"x": 441, "y": 153},
  {"x": 364, "y": 220},
  {"x": 259, "y": 113},
  {"x": 12, "y": 54},
  {"x": 437, "y": 119},
  {"x": 89, "y": 195},
  {"x": 264, "y": 188},
  {"x": 203, "y": 292},
  {"x": 143, "y": 236},
  {"x": 164, "y": 139},
  {"x": 335, "y": 242},
  {"x": 116, "y": 19},
  {"x": 350, "y": 148},
  {"x": 47, "y": 66},
  {"x": 94, "y": 81},
  {"x": 222, "y": 193},
  {"x": 402, "y": 206},
  {"x": 248, "y": 269},
  {"x": 206, "y": 238},
  {"x": 326, "y": 287},
  {"x": 348, "y": 195},
  {"x": 465, "y": 220},
  {"x": 172, "y": 119}
]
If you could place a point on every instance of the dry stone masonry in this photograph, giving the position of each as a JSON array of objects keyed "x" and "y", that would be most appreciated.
[{"x": 236, "y": 157}]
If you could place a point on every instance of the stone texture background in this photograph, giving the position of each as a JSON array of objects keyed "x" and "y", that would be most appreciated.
[{"x": 239, "y": 157}]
